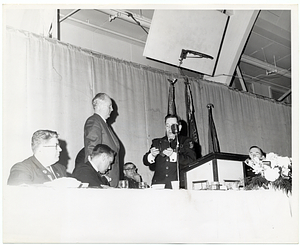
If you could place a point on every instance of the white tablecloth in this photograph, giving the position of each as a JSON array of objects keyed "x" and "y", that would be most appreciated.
[{"x": 72, "y": 215}]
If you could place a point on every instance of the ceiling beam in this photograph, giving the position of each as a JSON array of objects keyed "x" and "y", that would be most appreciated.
[
  {"x": 264, "y": 65},
  {"x": 286, "y": 94},
  {"x": 124, "y": 15},
  {"x": 266, "y": 82},
  {"x": 106, "y": 30},
  {"x": 68, "y": 15},
  {"x": 241, "y": 79}
]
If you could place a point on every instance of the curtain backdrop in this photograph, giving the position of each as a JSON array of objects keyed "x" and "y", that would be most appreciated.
[{"x": 49, "y": 85}]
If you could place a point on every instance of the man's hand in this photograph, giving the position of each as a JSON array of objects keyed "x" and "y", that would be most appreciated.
[
  {"x": 168, "y": 152},
  {"x": 154, "y": 151},
  {"x": 137, "y": 177}
]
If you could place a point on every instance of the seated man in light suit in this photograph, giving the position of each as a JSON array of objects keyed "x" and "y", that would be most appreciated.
[
  {"x": 42, "y": 166},
  {"x": 94, "y": 170}
]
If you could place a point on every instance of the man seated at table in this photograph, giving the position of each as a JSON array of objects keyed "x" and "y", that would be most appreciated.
[
  {"x": 42, "y": 166},
  {"x": 94, "y": 170},
  {"x": 130, "y": 174}
]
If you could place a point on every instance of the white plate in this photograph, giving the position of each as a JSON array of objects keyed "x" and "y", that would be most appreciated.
[{"x": 158, "y": 186}]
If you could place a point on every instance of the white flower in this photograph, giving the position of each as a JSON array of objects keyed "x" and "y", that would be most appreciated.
[
  {"x": 271, "y": 156},
  {"x": 285, "y": 172},
  {"x": 271, "y": 174},
  {"x": 283, "y": 162},
  {"x": 272, "y": 166}
]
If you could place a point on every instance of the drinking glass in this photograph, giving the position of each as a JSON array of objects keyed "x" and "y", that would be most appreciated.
[{"x": 123, "y": 184}]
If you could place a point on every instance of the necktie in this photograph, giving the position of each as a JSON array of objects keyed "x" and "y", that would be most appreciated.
[
  {"x": 52, "y": 174},
  {"x": 103, "y": 178}
]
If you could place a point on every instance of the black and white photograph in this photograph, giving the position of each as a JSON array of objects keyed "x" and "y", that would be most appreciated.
[{"x": 150, "y": 123}]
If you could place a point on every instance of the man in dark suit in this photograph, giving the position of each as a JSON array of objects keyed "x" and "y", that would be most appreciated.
[
  {"x": 97, "y": 131},
  {"x": 94, "y": 170},
  {"x": 40, "y": 167},
  {"x": 164, "y": 153}
]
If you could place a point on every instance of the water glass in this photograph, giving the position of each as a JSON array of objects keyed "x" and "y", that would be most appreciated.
[
  {"x": 123, "y": 184},
  {"x": 142, "y": 185}
]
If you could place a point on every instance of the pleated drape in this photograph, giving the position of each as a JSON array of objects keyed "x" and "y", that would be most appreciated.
[{"x": 49, "y": 85}]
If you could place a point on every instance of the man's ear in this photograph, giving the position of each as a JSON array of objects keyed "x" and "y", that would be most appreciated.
[{"x": 180, "y": 127}]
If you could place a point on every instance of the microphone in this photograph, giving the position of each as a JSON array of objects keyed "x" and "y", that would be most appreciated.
[{"x": 174, "y": 128}]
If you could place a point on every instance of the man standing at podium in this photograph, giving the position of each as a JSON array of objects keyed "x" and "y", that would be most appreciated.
[{"x": 168, "y": 153}]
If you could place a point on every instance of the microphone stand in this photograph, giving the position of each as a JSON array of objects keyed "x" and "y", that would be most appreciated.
[{"x": 177, "y": 160}]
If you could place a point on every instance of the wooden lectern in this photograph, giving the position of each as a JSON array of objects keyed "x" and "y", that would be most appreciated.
[{"x": 227, "y": 169}]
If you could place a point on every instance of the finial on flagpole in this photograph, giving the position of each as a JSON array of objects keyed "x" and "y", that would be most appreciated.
[
  {"x": 172, "y": 81},
  {"x": 210, "y": 105}
]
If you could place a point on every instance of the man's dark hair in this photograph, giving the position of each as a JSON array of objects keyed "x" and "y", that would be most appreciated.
[
  {"x": 173, "y": 116},
  {"x": 101, "y": 148},
  {"x": 129, "y": 163},
  {"x": 262, "y": 152}
]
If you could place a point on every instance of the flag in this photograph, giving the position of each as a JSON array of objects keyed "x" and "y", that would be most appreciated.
[
  {"x": 213, "y": 142},
  {"x": 171, "y": 99},
  {"x": 192, "y": 131}
]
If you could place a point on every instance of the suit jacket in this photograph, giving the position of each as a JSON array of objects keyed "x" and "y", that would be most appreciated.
[
  {"x": 165, "y": 169},
  {"x": 31, "y": 171},
  {"x": 96, "y": 131},
  {"x": 87, "y": 174},
  {"x": 80, "y": 158}
]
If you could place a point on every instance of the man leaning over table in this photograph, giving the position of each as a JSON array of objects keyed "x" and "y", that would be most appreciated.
[
  {"x": 94, "y": 170},
  {"x": 162, "y": 155},
  {"x": 41, "y": 167}
]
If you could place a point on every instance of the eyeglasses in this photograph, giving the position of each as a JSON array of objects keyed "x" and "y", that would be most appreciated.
[
  {"x": 56, "y": 145},
  {"x": 130, "y": 169}
]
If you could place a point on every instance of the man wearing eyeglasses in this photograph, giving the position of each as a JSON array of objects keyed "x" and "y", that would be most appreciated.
[
  {"x": 167, "y": 152},
  {"x": 130, "y": 174},
  {"x": 42, "y": 166}
]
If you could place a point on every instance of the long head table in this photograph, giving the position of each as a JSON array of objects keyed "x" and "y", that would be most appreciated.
[{"x": 74, "y": 215}]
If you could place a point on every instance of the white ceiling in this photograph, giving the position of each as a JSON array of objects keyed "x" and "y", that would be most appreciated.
[
  {"x": 266, "y": 58},
  {"x": 270, "y": 42}
]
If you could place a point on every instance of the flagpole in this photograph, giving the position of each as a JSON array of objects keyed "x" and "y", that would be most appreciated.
[
  {"x": 171, "y": 99},
  {"x": 213, "y": 142},
  {"x": 177, "y": 160},
  {"x": 172, "y": 111}
]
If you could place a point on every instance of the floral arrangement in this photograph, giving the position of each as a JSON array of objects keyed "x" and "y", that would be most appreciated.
[{"x": 272, "y": 171}]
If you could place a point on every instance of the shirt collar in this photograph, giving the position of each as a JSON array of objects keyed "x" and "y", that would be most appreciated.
[
  {"x": 93, "y": 165},
  {"x": 101, "y": 117}
]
